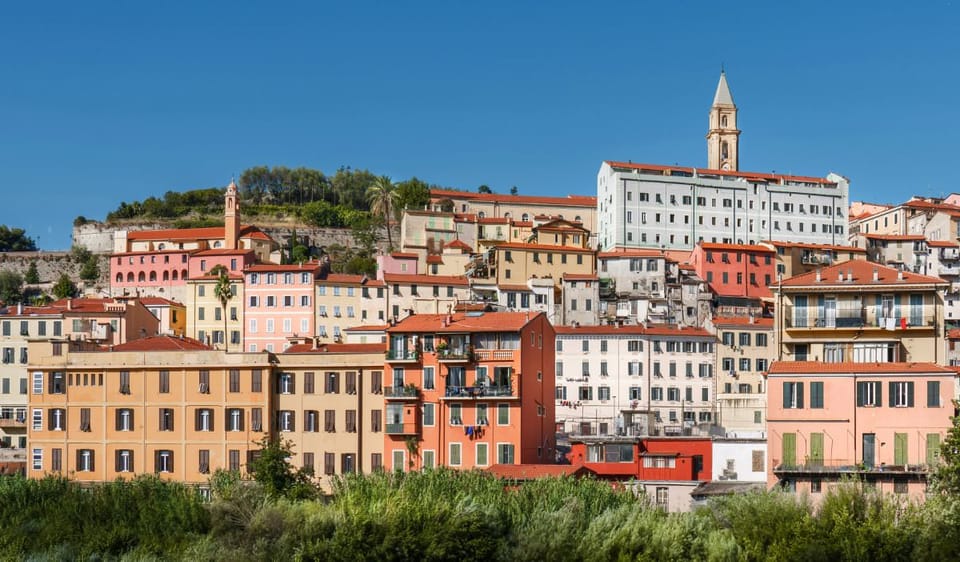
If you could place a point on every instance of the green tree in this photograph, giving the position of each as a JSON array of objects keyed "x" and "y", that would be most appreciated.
[
  {"x": 223, "y": 290},
  {"x": 412, "y": 194},
  {"x": 274, "y": 471},
  {"x": 322, "y": 214},
  {"x": 33, "y": 275},
  {"x": 945, "y": 479},
  {"x": 11, "y": 287},
  {"x": 15, "y": 240},
  {"x": 90, "y": 271},
  {"x": 65, "y": 287},
  {"x": 382, "y": 195},
  {"x": 484, "y": 189},
  {"x": 514, "y": 190}
]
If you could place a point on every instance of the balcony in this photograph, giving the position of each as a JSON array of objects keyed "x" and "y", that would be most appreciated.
[
  {"x": 816, "y": 259},
  {"x": 408, "y": 428},
  {"x": 406, "y": 392},
  {"x": 815, "y": 319},
  {"x": 843, "y": 466},
  {"x": 455, "y": 355},
  {"x": 494, "y": 354},
  {"x": 402, "y": 356},
  {"x": 13, "y": 423},
  {"x": 479, "y": 392}
]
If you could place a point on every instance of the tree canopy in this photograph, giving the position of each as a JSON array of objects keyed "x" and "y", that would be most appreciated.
[{"x": 15, "y": 240}]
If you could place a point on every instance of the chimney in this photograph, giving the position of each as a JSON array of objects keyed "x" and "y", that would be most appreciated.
[
  {"x": 849, "y": 275},
  {"x": 900, "y": 275},
  {"x": 876, "y": 275},
  {"x": 818, "y": 275},
  {"x": 69, "y": 304},
  {"x": 19, "y": 309},
  {"x": 840, "y": 276}
]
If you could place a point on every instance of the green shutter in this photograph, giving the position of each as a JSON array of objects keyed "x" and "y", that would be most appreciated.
[
  {"x": 893, "y": 390},
  {"x": 879, "y": 388},
  {"x": 799, "y": 395},
  {"x": 933, "y": 394},
  {"x": 786, "y": 394},
  {"x": 816, "y": 449},
  {"x": 910, "y": 394},
  {"x": 900, "y": 449},
  {"x": 816, "y": 394},
  {"x": 789, "y": 449},
  {"x": 933, "y": 448},
  {"x": 861, "y": 390}
]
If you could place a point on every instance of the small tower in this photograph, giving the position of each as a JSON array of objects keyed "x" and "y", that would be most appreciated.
[
  {"x": 231, "y": 218},
  {"x": 723, "y": 139}
]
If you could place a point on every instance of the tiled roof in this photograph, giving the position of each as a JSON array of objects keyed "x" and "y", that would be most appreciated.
[
  {"x": 744, "y": 322},
  {"x": 337, "y": 348},
  {"x": 343, "y": 279},
  {"x": 943, "y": 243},
  {"x": 163, "y": 343},
  {"x": 376, "y": 328},
  {"x": 953, "y": 334},
  {"x": 816, "y": 367},
  {"x": 862, "y": 273},
  {"x": 206, "y": 233},
  {"x": 894, "y": 236},
  {"x": 158, "y": 301},
  {"x": 632, "y": 253},
  {"x": 781, "y": 244},
  {"x": 85, "y": 304},
  {"x": 425, "y": 279},
  {"x": 465, "y": 322},
  {"x": 152, "y": 253},
  {"x": 434, "y": 258},
  {"x": 403, "y": 255},
  {"x": 669, "y": 330},
  {"x": 533, "y": 471},
  {"x": 569, "y": 200},
  {"x": 459, "y": 244},
  {"x": 539, "y": 247},
  {"x": 713, "y": 246},
  {"x": 223, "y": 252},
  {"x": 580, "y": 276},
  {"x": 275, "y": 268},
  {"x": 755, "y": 176}
]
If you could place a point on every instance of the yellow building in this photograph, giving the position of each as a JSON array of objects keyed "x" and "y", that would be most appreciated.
[
  {"x": 794, "y": 258},
  {"x": 205, "y": 321},
  {"x": 344, "y": 301}
]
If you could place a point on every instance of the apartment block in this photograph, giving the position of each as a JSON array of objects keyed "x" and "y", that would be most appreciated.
[
  {"x": 794, "y": 259},
  {"x": 469, "y": 390},
  {"x": 577, "y": 208},
  {"x": 345, "y": 301},
  {"x": 209, "y": 321},
  {"x": 423, "y": 294},
  {"x": 744, "y": 352},
  {"x": 279, "y": 305}
]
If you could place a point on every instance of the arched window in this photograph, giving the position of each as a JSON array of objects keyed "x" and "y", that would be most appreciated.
[
  {"x": 723, "y": 121},
  {"x": 130, "y": 277},
  {"x": 525, "y": 217},
  {"x": 481, "y": 214},
  {"x": 174, "y": 274},
  {"x": 153, "y": 276},
  {"x": 183, "y": 275},
  {"x": 142, "y": 277},
  {"x": 161, "y": 246},
  {"x": 217, "y": 244},
  {"x": 166, "y": 275},
  {"x": 577, "y": 218},
  {"x": 723, "y": 150},
  {"x": 506, "y": 215},
  {"x": 119, "y": 278}
]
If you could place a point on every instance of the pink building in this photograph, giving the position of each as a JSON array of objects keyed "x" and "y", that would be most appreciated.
[
  {"x": 397, "y": 262},
  {"x": 200, "y": 263},
  {"x": 278, "y": 305},
  {"x": 881, "y": 423}
]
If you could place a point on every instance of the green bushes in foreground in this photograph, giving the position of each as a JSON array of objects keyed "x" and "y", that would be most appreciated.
[{"x": 447, "y": 515}]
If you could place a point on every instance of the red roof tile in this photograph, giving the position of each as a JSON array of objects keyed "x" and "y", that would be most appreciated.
[
  {"x": 954, "y": 334},
  {"x": 632, "y": 253},
  {"x": 376, "y": 328},
  {"x": 344, "y": 279},
  {"x": 744, "y": 322},
  {"x": 580, "y": 276},
  {"x": 162, "y": 343},
  {"x": 756, "y": 176},
  {"x": 464, "y": 322},
  {"x": 313, "y": 267},
  {"x": 669, "y": 330},
  {"x": 533, "y": 471},
  {"x": 569, "y": 200},
  {"x": 862, "y": 273},
  {"x": 816, "y": 367},
  {"x": 206, "y": 233},
  {"x": 459, "y": 244},
  {"x": 538, "y": 247},
  {"x": 434, "y": 258},
  {"x": 943, "y": 244},
  {"x": 403, "y": 255},
  {"x": 158, "y": 301},
  {"x": 713, "y": 246},
  {"x": 781, "y": 244},
  {"x": 425, "y": 279},
  {"x": 894, "y": 236},
  {"x": 337, "y": 348},
  {"x": 223, "y": 252}
]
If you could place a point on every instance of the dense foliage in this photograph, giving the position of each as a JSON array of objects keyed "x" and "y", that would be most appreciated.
[
  {"x": 447, "y": 515},
  {"x": 15, "y": 240}
]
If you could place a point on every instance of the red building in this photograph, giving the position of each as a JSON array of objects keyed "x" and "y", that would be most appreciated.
[{"x": 736, "y": 270}]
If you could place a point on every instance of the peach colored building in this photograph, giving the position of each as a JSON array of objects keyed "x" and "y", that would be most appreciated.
[
  {"x": 881, "y": 423},
  {"x": 172, "y": 315},
  {"x": 469, "y": 390},
  {"x": 794, "y": 258},
  {"x": 159, "y": 405},
  {"x": 423, "y": 294},
  {"x": 344, "y": 301},
  {"x": 328, "y": 399},
  {"x": 279, "y": 305},
  {"x": 108, "y": 321}
]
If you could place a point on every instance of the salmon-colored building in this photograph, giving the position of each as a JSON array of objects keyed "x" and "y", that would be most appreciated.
[
  {"x": 469, "y": 390},
  {"x": 278, "y": 305},
  {"x": 164, "y": 405},
  {"x": 735, "y": 270},
  {"x": 881, "y": 423}
]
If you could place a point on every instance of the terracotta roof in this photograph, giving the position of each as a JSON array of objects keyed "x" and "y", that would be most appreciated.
[
  {"x": 580, "y": 276},
  {"x": 954, "y": 334},
  {"x": 213, "y": 277},
  {"x": 568, "y": 201},
  {"x": 894, "y": 236},
  {"x": 337, "y": 348},
  {"x": 533, "y": 471},
  {"x": 712, "y": 246},
  {"x": 403, "y": 255},
  {"x": 223, "y": 252},
  {"x": 343, "y": 278},
  {"x": 632, "y": 253},
  {"x": 816, "y": 367},
  {"x": 11, "y": 310},
  {"x": 679, "y": 256},
  {"x": 943, "y": 243},
  {"x": 206, "y": 233},
  {"x": 539, "y": 247},
  {"x": 85, "y": 304},
  {"x": 158, "y": 301},
  {"x": 152, "y": 253},
  {"x": 465, "y": 217},
  {"x": 163, "y": 343},
  {"x": 435, "y": 258},
  {"x": 493, "y": 220},
  {"x": 634, "y": 329},
  {"x": 781, "y": 244},
  {"x": 508, "y": 287},
  {"x": 862, "y": 272},
  {"x": 377, "y": 328},
  {"x": 464, "y": 322},
  {"x": 459, "y": 244},
  {"x": 920, "y": 204},
  {"x": 756, "y": 176},
  {"x": 275, "y": 268},
  {"x": 425, "y": 279},
  {"x": 745, "y": 322}
]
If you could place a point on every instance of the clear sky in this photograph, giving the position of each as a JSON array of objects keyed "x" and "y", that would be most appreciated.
[{"x": 107, "y": 103}]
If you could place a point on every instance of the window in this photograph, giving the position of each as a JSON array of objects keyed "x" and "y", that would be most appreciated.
[
  {"x": 456, "y": 414},
  {"x": 331, "y": 383},
  {"x": 84, "y": 419},
  {"x": 85, "y": 460},
  {"x": 234, "y": 380},
  {"x": 744, "y": 339},
  {"x": 901, "y": 394},
  {"x": 351, "y": 421},
  {"x": 124, "y": 419},
  {"x": 234, "y": 419},
  {"x": 762, "y": 340},
  {"x": 256, "y": 381},
  {"x": 505, "y": 453},
  {"x": 455, "y": 454},
  {"x": 285, "y": 383},
  {"x": 163, "y": 461},
  {"x": 933, "y": 394},
  {"x": 793, "y": 395},
  {"x": 164, "y": 382},
  {"x": 503, "y": 414},
  {"x": 166, "y": 419},
  {"x": 586, "y": 393},
  {"x": 816, "y": 394},
  {"x": 603, "y": 393},
  {"x": 481, "y": 454},
  {"x": 124, "y": 460},
  {"x": 58, "y": 383},
  {"x": 869, "y": 394},
  {"x": 429, "y": 414},
  {"x": 286, "y": 420}
]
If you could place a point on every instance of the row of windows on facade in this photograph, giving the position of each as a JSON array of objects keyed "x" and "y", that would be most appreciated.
[
  {"x": 143, "y": 277},
  {"x": 6, "y": 328},
  {"x": 743, "y": 339},
  {"x": 815, "y": 442},
  {"x": 635, "y": 369},
  {"x": 163, "y": 460},
  {"x": 869, "y": 394},
  {"x": 505, "y": 455},
  {"x": 824, "y": 227},
  {"x": 725, "y": 278},
  {"x": 535, "y": 256},
  {"x": 732, "y": 366},
  {"x": 287, "y": 382},
  {"x": 153, "y": 259},
  {"x": 636, "y": 346},
  {"x": 270, "y": 301},
  {"x": 457, "y": 377},
  {"x": 456, "y": 414},
  {"x": 58, "y": 381},
  {"x": 269, "y": 326},
  {"x": 727, "y": 203},
  {"x": 585, "y": 393},
  {"x": 305, "y": 278},
  {"x": 9, "y": 354},
  {"x": 124, "y": 419}
]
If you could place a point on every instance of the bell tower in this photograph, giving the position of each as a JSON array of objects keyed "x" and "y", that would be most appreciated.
[
  {"x": 723, "y": 137},
  {"x": 231, "y": 218}
]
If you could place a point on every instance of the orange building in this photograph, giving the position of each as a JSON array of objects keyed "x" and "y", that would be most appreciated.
[
  {"x": 469, "y": 390},
  {"x": 735, "y": 270},
  {"x": 164, "y": 405}
]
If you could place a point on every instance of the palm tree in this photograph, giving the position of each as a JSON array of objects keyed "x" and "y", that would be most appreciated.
[
  {"x": 224, "y": 292},
  {"x": 382, "y": 196}
]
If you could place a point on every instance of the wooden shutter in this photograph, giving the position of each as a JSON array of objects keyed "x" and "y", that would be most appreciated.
[
  {"x": 892, "y": 386},
  {"x": 816, "y": 449},
  {"x": 900, "y": 449},
  {"x": 351, "y": 382},
  {"x": 933, "y": 448},
  {"x": 375, "y": 417},
  {"x": 787, "y": 390},
  {"x": 910, "y": 394},
  {"x": 789, "y": 449},
  {"x": 799, "y": 395},
  {"x": 376, "y": 382}
]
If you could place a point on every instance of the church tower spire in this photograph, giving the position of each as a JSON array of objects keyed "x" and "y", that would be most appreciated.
[
  {"x": 231, "y": 217},
  {"x": 723, "y": 138}
]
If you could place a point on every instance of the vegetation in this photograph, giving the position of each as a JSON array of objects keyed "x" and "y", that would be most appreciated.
[
  {"x": 32, "y": 276},
  {"x": 224, "y": 292},
  {"x": 11, "y": 287},
  {"x": 64, "y": 288},
  {"x": 15, "y": 240},
  {"x": 382, "y": 196}
]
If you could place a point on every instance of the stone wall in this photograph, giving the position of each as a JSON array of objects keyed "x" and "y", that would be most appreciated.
[{"x": 51, "y": 264}]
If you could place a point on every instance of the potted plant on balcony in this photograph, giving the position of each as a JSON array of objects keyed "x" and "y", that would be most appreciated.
[
  {"x": 442, "y": 348},
  {"x": 410, "y": 389}
]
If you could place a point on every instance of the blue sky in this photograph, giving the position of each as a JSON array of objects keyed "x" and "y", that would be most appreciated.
[{"x": 103, "y": 103}]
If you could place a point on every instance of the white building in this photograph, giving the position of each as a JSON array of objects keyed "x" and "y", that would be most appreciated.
[
  {"x": 654, "y": 206},
  {"x": 608, "y": 376}
]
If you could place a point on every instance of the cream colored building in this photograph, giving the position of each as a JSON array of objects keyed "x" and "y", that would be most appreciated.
[
  {"x": 344, "y": 301},
  {"x": 744, "y": 352},
  {"x": 205, "y": 313},
  {"x": 423, "y": 294},
  {"x": 577, "y": 208},
  {"x": 723, "y": 138}
]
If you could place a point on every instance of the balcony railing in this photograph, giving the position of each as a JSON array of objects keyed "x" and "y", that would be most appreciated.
[
  {"x": 494, "y": 354},
  {"x": 844, "y": 466},
  {"x": 403, "y": 355},
  {"x": 481, "y": 391},
  {"x": 13, "y": 422},
  {"x": 815, "y": 319},
  {"x": 407, "y": 391},
  {"x": 460, "y": 355},
  {"x": 816, "y": 259},
  {"x": 409, "y": 428}
]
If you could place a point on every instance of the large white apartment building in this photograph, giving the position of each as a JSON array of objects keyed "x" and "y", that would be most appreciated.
[
  {"x": 674, "y": 207},
  {"x": 611, "y": 377}
]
